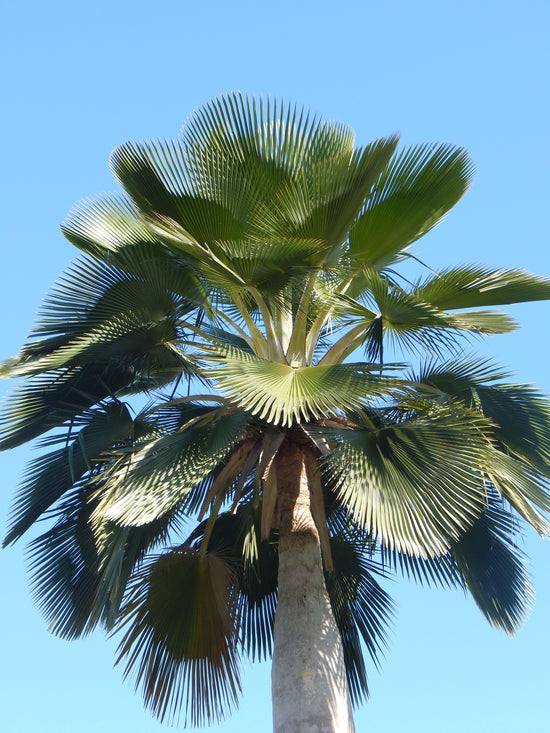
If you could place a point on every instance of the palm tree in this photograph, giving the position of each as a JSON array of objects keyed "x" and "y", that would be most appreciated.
[{"x": 223, "y": 479}]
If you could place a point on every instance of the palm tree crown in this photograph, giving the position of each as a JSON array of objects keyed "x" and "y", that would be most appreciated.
[{"x": 233, "y": 285}]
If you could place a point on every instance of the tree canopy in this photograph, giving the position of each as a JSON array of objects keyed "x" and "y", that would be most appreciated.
[{"x": 244, "y": 293}]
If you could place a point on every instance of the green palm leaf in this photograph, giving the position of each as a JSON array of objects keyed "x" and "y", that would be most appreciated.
[
  {"x": 416, "y": 189},
  {"x": 322, "y": 202},
  {"x": 493, "y": 567},
  {"x": 242, "y": 129},
  {"x": 97, "y": 312},
  {"x": 239, "y": 151},
  {"x": 407, "y": 320},
  {"x": 395, "y": 315},
  {"x": 46, "y": 402},
  {"x": 51, "y": 475},
  {"x": 440, "y": 571},
  {"x": 282, "y": 394},
  {"x": 243, "y": 152},
  {"x": 120, "y": 551},
  {"x": 237, "y": 265},
  {"x": 471, "y": 287},
  {"x": 110, "y": 230},
  {"x": 485, "y": 561},
  {"x": 520, "y": 413},
  {"x": 300, "y": 200},
  {"x": 150, "y": 480},
  {"x": 155, "y": 177},
  {"x": 258, "y": 596},
  {"x": 77, "y": 582},
  {"x": 101, "y": 333},
  {"x": 179, "y": 639},
  {"x": 106, "y": 226},
  {"x": 65, "y": 566},
  {"x": 416, "y": 483},
  {"x": 526, "y": 489},
  {"x": 458, "y": 375}
]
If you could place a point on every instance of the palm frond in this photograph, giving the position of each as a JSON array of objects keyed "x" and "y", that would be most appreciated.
[
  {"x": 241, "y": 129},
  {"x": 77, "y": 581},
  {"x": 120, "y": 551},
  {"x": 282, "y": 394},
  {"x": 416, "y": 189},
  {"x": 243, "y": 152},
  {"x": 155, "y": 176},
  {"x": 105, "y": 226},
  {"x": 493, "y": 567},
  {"x": 520, "y": 413},
  {"x": 179, "y": 640},
  {"x": 48, "y": 401},
  {"x": 526, "y": 489},
  {"x": 440, "y": 571},
  {"x": 321, "y": 203},
  {"x": 96, "y": 308},
  {"x": 403, "y": 318},
  {"x": 269, "y": 266},
  {"x": 459, "y": 375},
  {"x": 485, "y": 561},
  {"x": 51, "y": 475},
  {"x": 110, "y": 229},
  {"x": 65, "y": 566},
  {"x": 148, "y": 481},
  {"x": 101, "y": 333},
  {"x": 474, "y": 286},
  {"x": 415, "y": 483}
]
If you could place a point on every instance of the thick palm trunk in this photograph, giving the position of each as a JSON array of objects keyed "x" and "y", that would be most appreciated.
[{"x": 309, "y": 686}]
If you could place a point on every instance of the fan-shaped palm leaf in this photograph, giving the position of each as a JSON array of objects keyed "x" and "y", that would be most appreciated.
[
  {"x": 77, "y": 581},
  {"x": 150, "y": 480},
  {"x": 416, "y": 189},
  {"x": 179, "y": 640},
  {"x": 493, "y": 568},
  {"x": 51, "y": 475},
  {"x": 283, "y": 394},
  {"x": 485, "y": 561},
  {"x": 106, "y": 308},
  {"x": 471, "y": 287},
  {"x": 414, "y": 483},
  {"x": 520, "y": 413},
  {"x": 525, "y": 488},
  {"x": 322, "y": 202}
]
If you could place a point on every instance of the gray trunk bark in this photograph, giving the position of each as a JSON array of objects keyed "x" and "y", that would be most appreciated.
[{"x": 309, "y": 685}]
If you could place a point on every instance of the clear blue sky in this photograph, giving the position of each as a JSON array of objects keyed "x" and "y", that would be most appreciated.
[{"x": 81, "y": 77}]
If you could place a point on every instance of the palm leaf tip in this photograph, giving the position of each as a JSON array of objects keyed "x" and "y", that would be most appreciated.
[
  {"x": 493, "y": 568},
  {"x": 475, "y": 286},
  {"x": 53, "y": 474}
]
